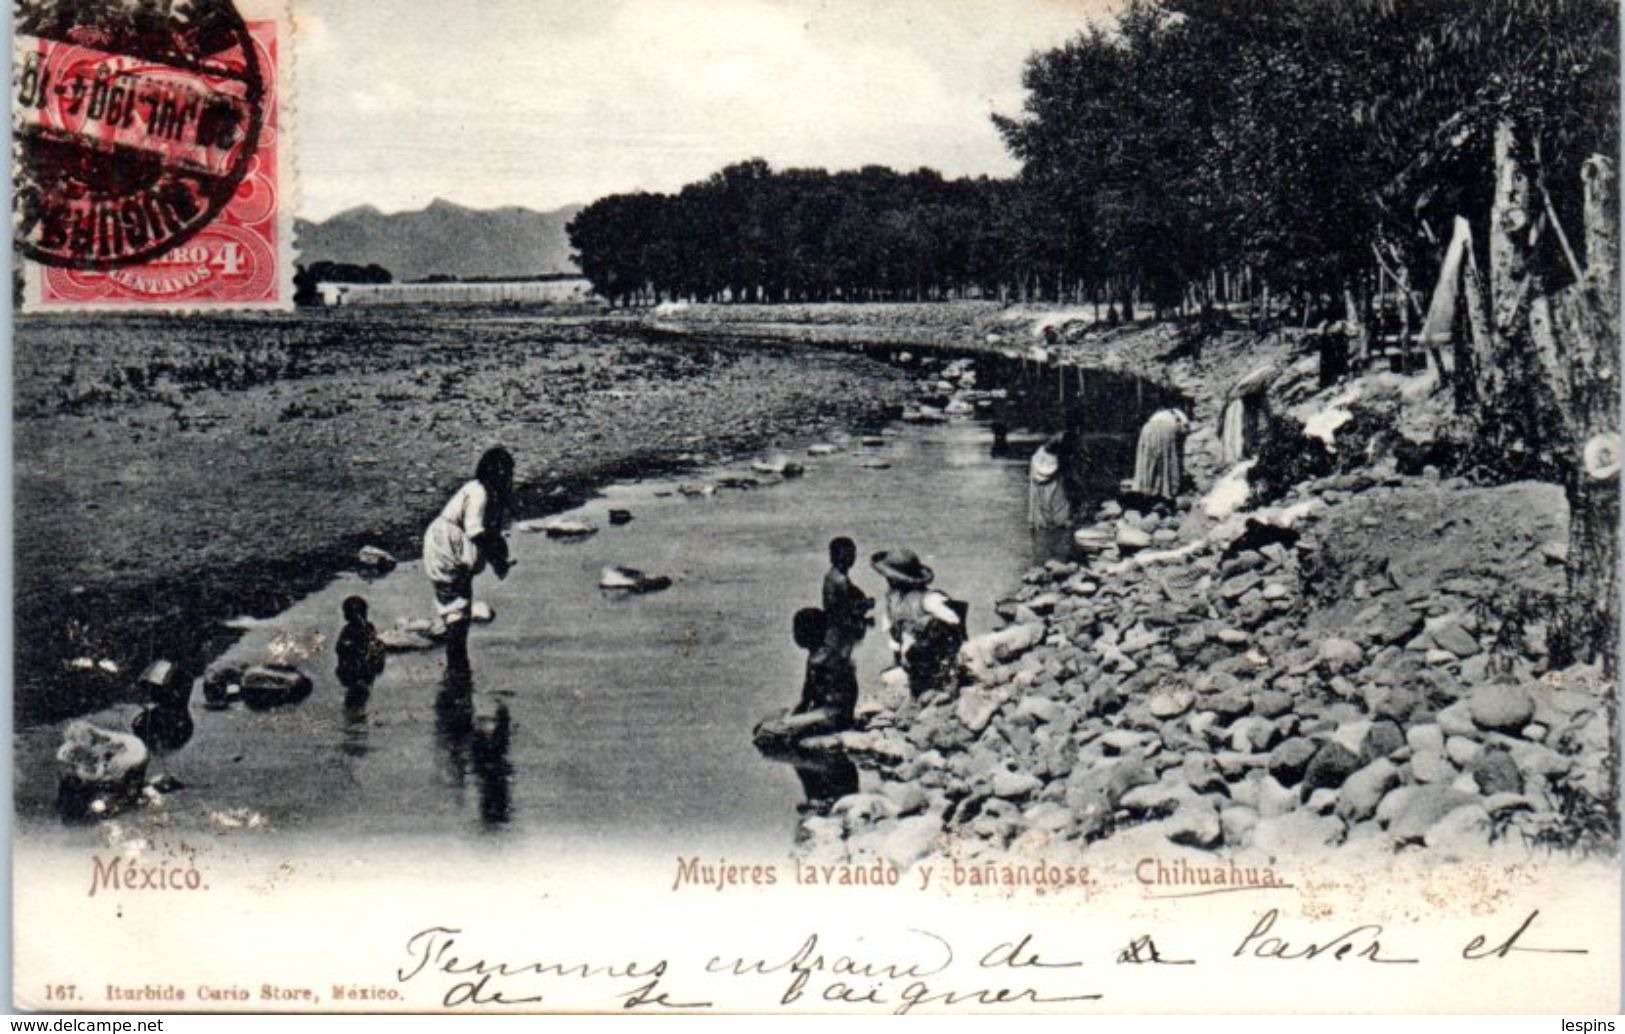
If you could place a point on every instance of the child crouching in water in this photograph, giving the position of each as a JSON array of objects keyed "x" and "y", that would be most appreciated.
[{"x": 829, "y": 689}]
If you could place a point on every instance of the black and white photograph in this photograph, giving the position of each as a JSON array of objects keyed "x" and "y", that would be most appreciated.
[{"x": 717, "y": 506}]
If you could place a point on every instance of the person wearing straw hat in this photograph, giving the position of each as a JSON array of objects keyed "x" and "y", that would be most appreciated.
[{"x": 924, "y": 626}]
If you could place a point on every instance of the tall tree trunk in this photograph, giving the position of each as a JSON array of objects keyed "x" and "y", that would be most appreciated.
[
  {"x": 1576, "y": 333},
  {"x": 1503, "y": 367},
  {"x": 1478, "y": 343},
  {"x": 1551, "y": 378}
]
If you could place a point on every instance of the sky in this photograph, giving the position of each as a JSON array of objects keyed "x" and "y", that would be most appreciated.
[{"x": 544, "y": 103}]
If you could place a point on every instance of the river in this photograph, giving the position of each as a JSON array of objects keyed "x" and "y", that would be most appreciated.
[{"x": 611, "y": 721}]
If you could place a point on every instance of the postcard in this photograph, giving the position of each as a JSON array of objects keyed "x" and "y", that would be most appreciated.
[{"x": 755, "y": 506}]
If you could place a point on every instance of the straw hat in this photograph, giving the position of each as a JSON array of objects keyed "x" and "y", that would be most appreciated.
[{"x": 901, "y": 567}]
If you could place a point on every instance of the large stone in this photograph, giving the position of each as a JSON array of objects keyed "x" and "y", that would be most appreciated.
[
  {"x": 1462, "y": 751},
  {"x": 857, "y": 810},
  {"x": 561, "y": 527},
  {"x": 1289, "y": 761},
  {"x": 1365, "y": 789},
  {"x": 1233, "y": 589},
  {"x": 1228, "y": 705},
  {"x": 1432, "y": 767},
  {"x": 977, "y": 704},
  {"x": 1339, "y": 655},
  {"x": 1271, "y": 798},
  {"x": 1388, "y": 621},
  {"x": 1234, "y": 764},
  {"x": 1125, "y": 741},
  {"x": 1190, "y": 641},
  {"x": 619, "y": 578},
  {"x": 1237, "y": 823},
  {"x": 1463, "y": 832},
  {"x": 1296, "y": 835},
  {"x": 1040, "y": 709},
  {"x": 1048, "y": 816},
  {"x": 1501, "y": 707},
  {"x": 1161, "y": 796},
  {"x": 400, "y": 640},
  {"x": 375, "y": 559},
  {"x": 1425, "y": 737},
  {"x": 1352, "y": 734},
  {"x": 1496, "y": 773},
  {"x": 1419, "y": 809},
  {"x": 1093, "y": 792},
  {"x": 982, "y": 655},
  {"x": 1253, "y": 735},
  {"x": 1382, "y": 740},
  {"x": 274, "y": 685},
  {"x": 1448, "y": 634},
  {"x": 1396, "y": 703},
  {"x": 1195, "y": 823},
  {"x": 1016, "y": 786},
  {"x": 1332, "y": 764},
  {"x": 1271, "y": 703},
  {"x": 101, "y": 757},
  {"x": 1457, "y": 720},
  {"x": 1131, "y": 539},
  {"x": 1538, "y": 762},
  {"x": 911, "y": 839},
  {"x": 1171, "y": 703},
  {"x": 1139, "y": 640}
]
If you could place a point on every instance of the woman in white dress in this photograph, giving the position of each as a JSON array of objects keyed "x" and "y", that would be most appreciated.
[{"x": 463, "y": 540}]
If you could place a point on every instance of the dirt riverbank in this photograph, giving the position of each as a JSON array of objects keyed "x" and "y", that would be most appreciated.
[{"x": 175, "y": 473}]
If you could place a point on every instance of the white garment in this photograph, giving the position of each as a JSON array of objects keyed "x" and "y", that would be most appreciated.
[
  {"x": 1233, "y": 434},
  {"x": 1159, "y": 464},
  {"x": 449, "y": 552}
]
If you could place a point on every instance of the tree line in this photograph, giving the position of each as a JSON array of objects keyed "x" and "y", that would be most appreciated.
[
  {"x": 751, "y": 233},
  {"x": 1198, "y": 151}
]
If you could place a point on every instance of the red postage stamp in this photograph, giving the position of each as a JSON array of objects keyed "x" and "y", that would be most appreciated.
[{"x": 153, "y": 166}]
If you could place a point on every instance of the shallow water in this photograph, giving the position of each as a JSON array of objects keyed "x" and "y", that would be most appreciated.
[{"x": 593, "y": 719}]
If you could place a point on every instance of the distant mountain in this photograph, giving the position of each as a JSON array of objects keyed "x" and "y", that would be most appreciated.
[{"x": 444, "y": 238}]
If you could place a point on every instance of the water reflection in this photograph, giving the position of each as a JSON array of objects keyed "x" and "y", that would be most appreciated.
[
  {"x": 475, "y": 745},
  {"x": 163, "y": 729},
  {"x": 356, "y": 724},
  {"x": 825, "y": 778}
]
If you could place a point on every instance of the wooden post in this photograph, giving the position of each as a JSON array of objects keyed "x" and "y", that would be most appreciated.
[{"x": 1601, "y": 231}]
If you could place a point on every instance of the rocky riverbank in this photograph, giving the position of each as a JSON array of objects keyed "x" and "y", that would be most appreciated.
[{"x": 1342, "y": 646}]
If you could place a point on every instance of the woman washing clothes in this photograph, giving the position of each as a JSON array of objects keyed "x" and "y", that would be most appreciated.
[{"x": 463, "y": 541}]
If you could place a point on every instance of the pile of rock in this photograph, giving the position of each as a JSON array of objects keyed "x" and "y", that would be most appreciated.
[{"x": 1178, "y": 685}]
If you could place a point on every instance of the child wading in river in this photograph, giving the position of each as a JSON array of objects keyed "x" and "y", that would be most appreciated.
[
  {"x": 846, "y": 607},
  {"x": 465, "y": 538},
  {"x": 361, "y": 655}
]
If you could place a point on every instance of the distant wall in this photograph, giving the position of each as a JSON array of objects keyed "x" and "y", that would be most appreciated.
[{"x": 572, "y": 289}]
